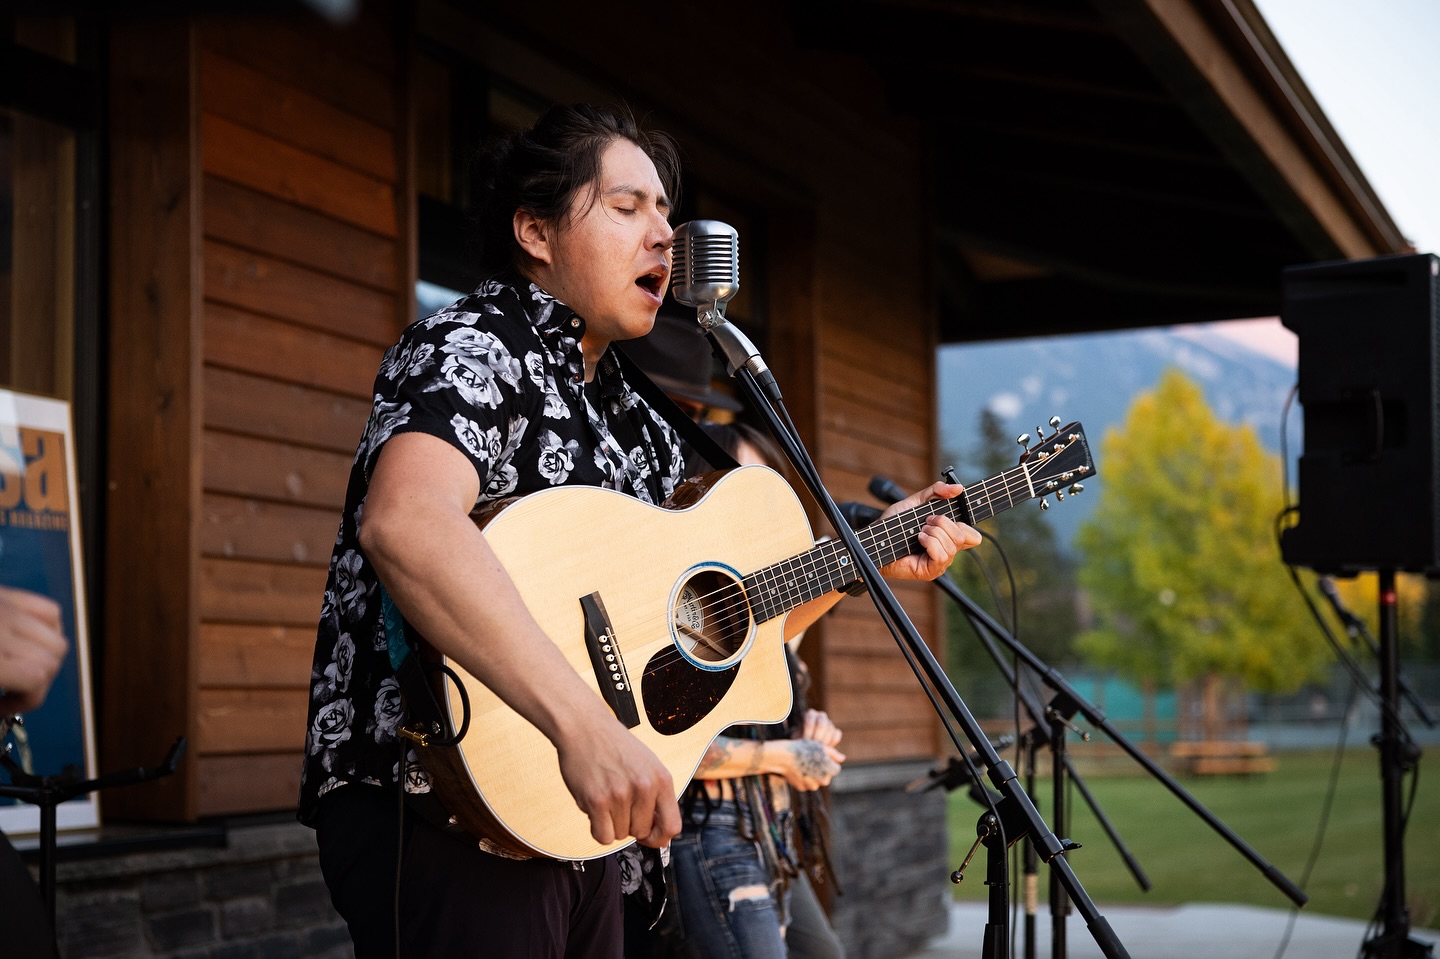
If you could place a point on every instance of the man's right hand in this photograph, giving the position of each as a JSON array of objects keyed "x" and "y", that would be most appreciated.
[
  {"x": 32, "y": 648},
  {"x": 621, "y": 785}
]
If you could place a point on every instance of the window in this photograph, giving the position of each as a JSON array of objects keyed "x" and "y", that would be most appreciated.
[{"x": 37, "y": 258}]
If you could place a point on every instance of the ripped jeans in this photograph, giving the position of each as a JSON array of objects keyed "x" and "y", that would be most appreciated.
[{"x": 726, "y": 902}]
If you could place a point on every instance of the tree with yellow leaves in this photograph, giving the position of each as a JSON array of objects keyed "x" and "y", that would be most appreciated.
[{"x": 1179, "y": 559}]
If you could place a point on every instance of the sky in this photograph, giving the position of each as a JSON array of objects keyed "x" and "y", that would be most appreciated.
[{"x": 1372, "y": 66}]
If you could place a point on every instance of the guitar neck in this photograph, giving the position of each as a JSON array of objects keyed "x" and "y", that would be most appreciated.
[{"x": 780, "y": 587}]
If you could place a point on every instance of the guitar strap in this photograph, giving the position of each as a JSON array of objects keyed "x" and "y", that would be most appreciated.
[{"x": 690, "y": 431}]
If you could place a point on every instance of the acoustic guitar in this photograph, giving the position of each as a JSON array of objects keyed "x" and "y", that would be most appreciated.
[{"x": 675, "y": 617}]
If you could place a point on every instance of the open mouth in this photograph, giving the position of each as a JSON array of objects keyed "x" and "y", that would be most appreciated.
[{"x": 653, "y": 282}]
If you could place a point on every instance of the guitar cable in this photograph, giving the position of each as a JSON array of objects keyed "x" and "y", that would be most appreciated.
[
  {"x": 431, "y": 713},
  {"x": 399, "y": 837}
]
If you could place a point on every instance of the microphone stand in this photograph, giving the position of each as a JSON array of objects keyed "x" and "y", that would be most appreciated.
[
  {"x": 1016, "y": 814},
  {"x": 1049, "y": 725},
  {"x": 1030, "y": 862},
  {"x": 1068, "y": 702},
  {"x": 1360, "y": 633},
  {"x": 1398, "y": 755},
  {"x": 48, "y": 792}
]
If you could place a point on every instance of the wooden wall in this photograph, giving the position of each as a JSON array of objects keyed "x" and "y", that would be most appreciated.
[
  {"x": 301, "y": 243},
  {"x": 264, "y": 250}
]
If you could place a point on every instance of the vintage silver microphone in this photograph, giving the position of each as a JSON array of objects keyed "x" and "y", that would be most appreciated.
[{"x": 706, "y": 275}]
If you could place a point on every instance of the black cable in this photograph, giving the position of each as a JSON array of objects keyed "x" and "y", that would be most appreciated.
[
  {"x": 1376, "y": 917},
  {"x": 1016, "y": 888},
  {"x": 399, "y": 838},
  {"x": 1324, "y": 822},
  {"x": 1357, "y": 675},
  {"x": 1358, "y": 682},
  {"x": 994, "y": 588}
]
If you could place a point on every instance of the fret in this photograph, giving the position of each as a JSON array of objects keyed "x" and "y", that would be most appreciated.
[{"x": 780, "y": 587}]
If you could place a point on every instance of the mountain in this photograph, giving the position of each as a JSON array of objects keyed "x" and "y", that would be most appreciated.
[{"x": 1093, "y": 378}]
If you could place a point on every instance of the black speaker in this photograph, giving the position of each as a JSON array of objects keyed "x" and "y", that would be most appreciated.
[{"x": 1369, "y": 385}]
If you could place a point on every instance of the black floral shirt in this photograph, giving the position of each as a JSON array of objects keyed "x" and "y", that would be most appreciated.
[{"x": 499, "y": 376}]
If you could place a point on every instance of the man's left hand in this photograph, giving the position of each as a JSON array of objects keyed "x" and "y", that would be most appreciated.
[{"x": 940, "y": 537}]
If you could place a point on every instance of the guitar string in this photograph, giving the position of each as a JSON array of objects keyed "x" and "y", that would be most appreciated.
[
  {"x": 789, "y": 595},
  {"x": 785, "y": 589},
  {"x": 827, "y": 556}
]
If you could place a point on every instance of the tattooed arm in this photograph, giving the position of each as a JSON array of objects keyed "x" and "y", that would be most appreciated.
[{"x": 805, "y": 763}]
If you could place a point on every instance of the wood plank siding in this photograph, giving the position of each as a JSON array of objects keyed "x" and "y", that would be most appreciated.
[
  {"x": 262, "y": 286},
  {"x": 303, "y": 249},
  {"x": 300, "y": 247}
]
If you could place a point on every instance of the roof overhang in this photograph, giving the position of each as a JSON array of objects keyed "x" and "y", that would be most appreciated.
[{"x": 1111, "y": 163}]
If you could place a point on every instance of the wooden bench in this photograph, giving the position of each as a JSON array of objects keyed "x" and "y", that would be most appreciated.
[{"x": 1221, "y": 757}]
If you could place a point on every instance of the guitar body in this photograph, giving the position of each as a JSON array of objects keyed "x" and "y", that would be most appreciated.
[{"x": 586, "y": 559}]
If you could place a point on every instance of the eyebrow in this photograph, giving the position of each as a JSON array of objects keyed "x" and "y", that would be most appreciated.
[{"x": 639, "y": 193}]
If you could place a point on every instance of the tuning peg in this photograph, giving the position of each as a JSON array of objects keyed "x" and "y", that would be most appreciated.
[
  {"x": 1024, "y": 440},
  {"x": 1060, "y": 496},
  {"x": 1044, "y": 504},
  {"x": 1076, "y": 488},
  {"x": 1055, "y": 423}
]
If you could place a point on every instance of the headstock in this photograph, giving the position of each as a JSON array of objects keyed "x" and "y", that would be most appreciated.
[{"x": 1056, "y": 463}]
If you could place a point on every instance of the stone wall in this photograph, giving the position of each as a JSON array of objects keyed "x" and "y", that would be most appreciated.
[
  {"x": 892, "y": 860},
  {"x": 260, "y": 896}
]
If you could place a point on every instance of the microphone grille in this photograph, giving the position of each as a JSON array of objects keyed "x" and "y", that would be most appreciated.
[{"x": 706, "y": 262}]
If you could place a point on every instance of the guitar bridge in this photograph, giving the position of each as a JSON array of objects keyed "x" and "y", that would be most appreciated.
[{"x": 609, "y": 664}]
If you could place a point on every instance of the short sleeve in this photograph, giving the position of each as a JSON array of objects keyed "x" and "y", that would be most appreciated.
[{"x": 455, "y": 377}]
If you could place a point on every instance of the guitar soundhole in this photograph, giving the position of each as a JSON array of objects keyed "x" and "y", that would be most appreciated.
[{"x": 710, "y": 618}]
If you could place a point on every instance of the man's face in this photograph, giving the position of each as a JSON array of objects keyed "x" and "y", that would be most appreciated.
[{"x": 610, "y": 257}]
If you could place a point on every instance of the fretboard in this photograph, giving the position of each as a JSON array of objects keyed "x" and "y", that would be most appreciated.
[{"x": 782, "y": 586}]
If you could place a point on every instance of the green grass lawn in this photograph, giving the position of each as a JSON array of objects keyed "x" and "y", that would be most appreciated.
[{"x": 1276, "y": 814}]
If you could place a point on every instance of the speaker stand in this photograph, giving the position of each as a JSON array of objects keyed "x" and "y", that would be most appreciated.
[{"x": 1398, "y": 755}]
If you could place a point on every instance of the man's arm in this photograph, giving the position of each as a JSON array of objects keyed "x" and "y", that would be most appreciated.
[{"x": 436, "y": 564}]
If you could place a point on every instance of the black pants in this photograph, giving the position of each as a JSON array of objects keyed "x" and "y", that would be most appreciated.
[{"x": 456, "y": 900}]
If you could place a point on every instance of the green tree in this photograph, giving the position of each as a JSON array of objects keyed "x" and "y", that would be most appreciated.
[
  {"x": 1038, "y": 608},
  {"x": 1179, "y": 559}
]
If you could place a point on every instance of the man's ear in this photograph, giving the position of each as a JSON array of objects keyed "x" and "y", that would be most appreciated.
[{"x": 532, "y": 234}]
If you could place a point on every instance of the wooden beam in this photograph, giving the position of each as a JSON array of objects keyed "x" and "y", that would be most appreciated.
[
  {"x": 1213, "y": 78},
  {"x": 151, "y": 583}
]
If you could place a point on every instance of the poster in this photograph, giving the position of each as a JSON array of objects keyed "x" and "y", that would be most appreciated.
[{"x": 40, "y": 551}]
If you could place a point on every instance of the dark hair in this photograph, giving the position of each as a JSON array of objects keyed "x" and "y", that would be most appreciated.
[
  {"x": 542, "y": 169},
  {"x": 729, "y": 436}
]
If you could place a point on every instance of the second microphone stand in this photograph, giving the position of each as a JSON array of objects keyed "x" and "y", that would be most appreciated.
[
  {"x": 1050, "y": 726},
  {"x": 1066, "y": 703},
  {"x": 1016, "y": 816}
]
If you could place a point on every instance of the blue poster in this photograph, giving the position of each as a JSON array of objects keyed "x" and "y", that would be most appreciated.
[{"x": 39, "y": 551}]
